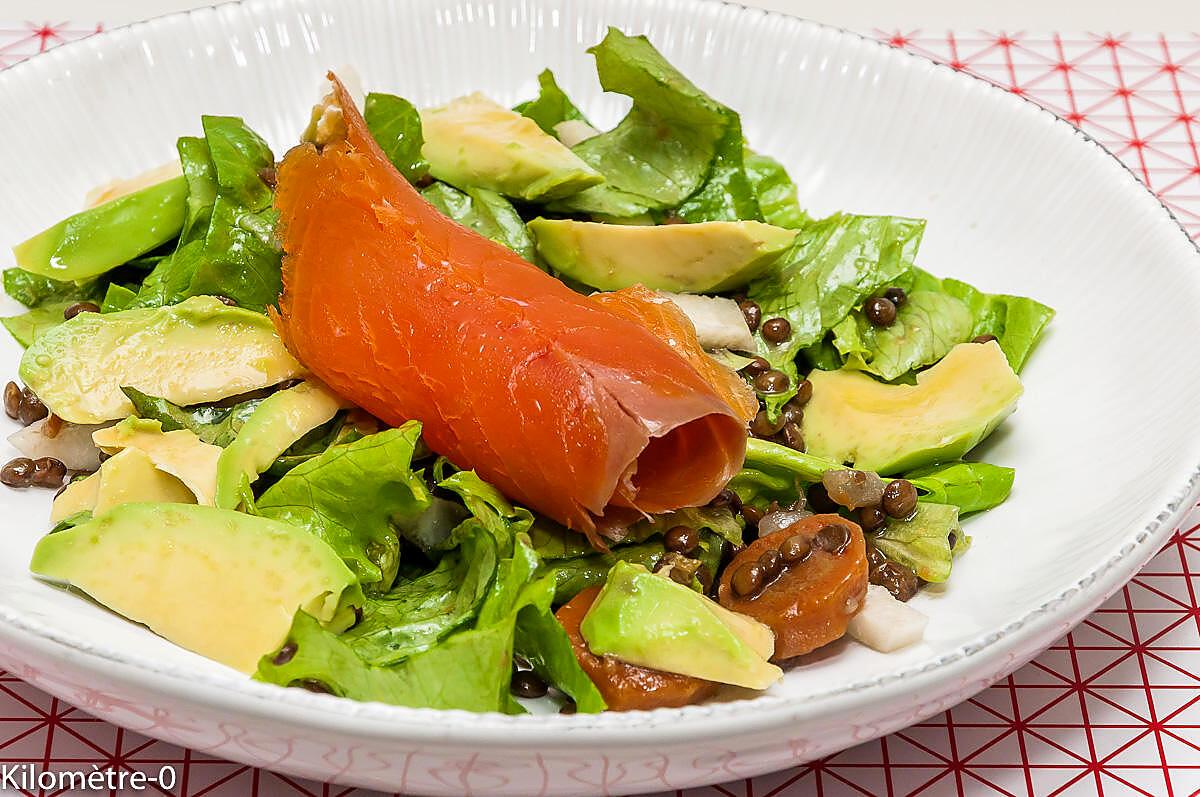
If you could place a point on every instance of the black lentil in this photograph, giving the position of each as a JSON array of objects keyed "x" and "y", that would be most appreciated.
[
  {"x": 983, "y": 338},
  {"x": 772, "y": 381},
  {"x": 73, "y": 310},
  {"x": 792, "y": 437},
  {"x": 312, "y": 685},
  {"x": 819, "y": 500},
  {"x": 772, "y": 564},
  {"x": 32, "y": 409},
  {"x": 17, "y": 472},
  {"x": 896, "y": 296},
  {"x": 871, "y": 518},
  {"x": 900, "y": 498},
  {"x": 747, "y": 579},
  {"x": 225, "y": 300},
  {"x": 896, "y": 578},
  {"x": 752, "y": 515},
  {"x": 752, "y": 313},
  {"x": 526, "y": 683},
  {"x": 795, "y": 549},
  {"x": 12, "y": 399},
  {"x": 726, "y": 498},
  {"x": 880, "y": 311},
  {"x": 285, "y": 654},
  {"x": 681, "y": 539},
  {"x": 763, "y": 426},
  {"x": 832, "y": 538},
  {"x": 776, "y": 330},
  {"x": 756, "y": 366},
  {"x": 48, "y": 472},
  {"x": 803, "y": 393}
]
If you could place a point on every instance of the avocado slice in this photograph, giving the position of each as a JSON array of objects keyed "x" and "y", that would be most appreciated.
[
  {"x": 223, "y": 584},
  {"x": 651, "y": 621},
  {"x": 707, "y": 257},
  {"x": 893, "y": 428},
  {"x": 475, "y": 142},
  {"x": 127, "y": 478},
  {"x": 193, "y": 352},
  {"x": 179, "y": 453},
  {"x": 101, "y": 238},
  {"x": 280, "y": 420}
]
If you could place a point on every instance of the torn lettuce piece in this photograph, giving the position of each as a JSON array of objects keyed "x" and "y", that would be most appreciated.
[
  {"x": 572, "y": 576},
  {"x": 350, "y": 496},
  {"x": 663, "y": 150},
  {"x": 970, "y": 486},
  {"x": 551, "y": 106},
  {"x": 927, "y": 326},
  {"x": 927, "y": 542},
  {"x": 728, "y": 193},
  {"x": 551, "y": 541},
  {"x": 470, "y": 669},
  {"x": 419, "y": 612},
  {"x": 213, "y": 424},
  {"x": 1017, "y": 322},
  {"x": 228, "y": 247},
  {"x": 34, "y": 290},
  {"x": 29, "y": 326},
  {"x": 395, "y": 124},
  {"x": 831, "y": 267},
  {"x": 487, "y": 213},
  {"x": 774, "y": 190}
]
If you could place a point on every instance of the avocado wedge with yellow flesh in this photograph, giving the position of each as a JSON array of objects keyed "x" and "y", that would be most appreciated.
[
  {"x": 179, "y": 453},
  {"x": 103, "y": 237},
  {"x": 193, "y": 352},
  {"x": 650, "y": 621},
  {"x": 280, "y": 420},
  {"x": 223, "y": 584},
  {"x": 889, "y": 429},
  {"x": 130, "y": 477},
  {"x": 475, "y": 142},
  {"x": 707, "y": 257}
]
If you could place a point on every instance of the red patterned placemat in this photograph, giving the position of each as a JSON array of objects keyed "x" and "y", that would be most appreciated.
[{"x": 1113, "y": 708}]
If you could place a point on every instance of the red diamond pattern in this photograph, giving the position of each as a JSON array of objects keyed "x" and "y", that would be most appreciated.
[{"x": 1111, "y": 709}]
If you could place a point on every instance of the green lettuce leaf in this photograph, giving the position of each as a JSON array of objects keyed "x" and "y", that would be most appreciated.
[
  {"x": 774, "y": 191},
  {"x": 551, "y": 106},
  {"x": 417, "y": 613},
  {"x": 923, "y": 542},
  {"x": 728, "y": 194},
  {"x": 927, "y": 326},
  {"x": 228, "y": 247},
  {"x": 970, "y": 486},
  {"x": 28, "y": 326},
  {"x": 663, "y": 150},
  {"x": 47, "y": 299},
  {"x": 469, "y": 670},
  {"x": 573, "y": 575},
  {"x": 485, "y": 212},
  {"x": 831, "y": 267},
  {"x": 34, "y": 290},
  {"x": 1017, "y": 322},
  {"x": 543, "y": 642},
  {"x": 350, "y": 496},
  {"x": 395, "y": 124},
  {"x": 213, "y": 424}
]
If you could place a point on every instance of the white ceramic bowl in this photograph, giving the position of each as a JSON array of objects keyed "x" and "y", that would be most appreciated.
[{"x": 1106, "y": 442}]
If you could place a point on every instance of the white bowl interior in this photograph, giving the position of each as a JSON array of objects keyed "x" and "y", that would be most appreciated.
[{"x": 1105, "y": 437}]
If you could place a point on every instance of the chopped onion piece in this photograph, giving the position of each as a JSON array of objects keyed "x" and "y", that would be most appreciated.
[
  {"x": 885, "y": 624},
  {"x": 718, "y": 321},
  {"x": 72, "y": 445},
  {"x": 574, "y": 131},
  {"x": 773, "y": 522}
]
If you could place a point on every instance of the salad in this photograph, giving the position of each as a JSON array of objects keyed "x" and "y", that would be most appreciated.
[{"x": 462, "y": 406}]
